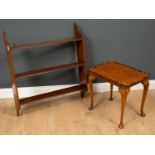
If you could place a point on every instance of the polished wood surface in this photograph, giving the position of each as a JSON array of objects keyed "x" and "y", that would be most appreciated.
[
  {"x": 51, "y": 94},
  {"x": 9, "y": 52},
  {"x": 111, "y": 92},
  {"x": 47, "y": 70},
  {"x": 91, "y": 79},
  {"x": 69, "y": 115},
  {"x": 119, "y": 74},
  {"x": 124, "y": 93},
  {"x": 78, "y": 40},
  {"x": 47, "y": 43},
  {"x": 122, "y": 76},
  {"x": 146, "y": 86},
  {"x": 81, "y": 55}
]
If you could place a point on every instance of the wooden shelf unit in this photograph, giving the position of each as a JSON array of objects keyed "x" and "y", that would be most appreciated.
[{"x": 78, "y": 40}]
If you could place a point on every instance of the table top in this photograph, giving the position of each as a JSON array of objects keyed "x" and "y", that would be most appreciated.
[{"x": 119, "y": 74}]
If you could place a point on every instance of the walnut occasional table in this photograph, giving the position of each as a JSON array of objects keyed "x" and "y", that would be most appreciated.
[{"x": 122, "y": 76}]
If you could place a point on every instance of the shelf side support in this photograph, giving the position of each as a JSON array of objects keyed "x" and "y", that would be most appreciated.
[
  {"x": 9, "y": 52},
  {"x": 80, "y": 48}
]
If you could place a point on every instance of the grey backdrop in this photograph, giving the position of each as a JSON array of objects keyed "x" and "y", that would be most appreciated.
[{"x": 128, "y": 41}]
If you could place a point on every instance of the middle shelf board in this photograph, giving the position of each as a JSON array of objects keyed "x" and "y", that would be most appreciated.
[{"x": 47, "y": 70}]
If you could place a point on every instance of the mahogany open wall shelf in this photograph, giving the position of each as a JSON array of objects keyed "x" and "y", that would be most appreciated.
[{"x": 78, "y": 40}]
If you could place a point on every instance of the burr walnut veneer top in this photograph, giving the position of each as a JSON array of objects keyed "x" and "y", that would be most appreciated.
[{"x": 119, "y": 74}]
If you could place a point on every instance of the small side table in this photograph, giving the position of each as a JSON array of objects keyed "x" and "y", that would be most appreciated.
[{"x": 122, "y": 76}]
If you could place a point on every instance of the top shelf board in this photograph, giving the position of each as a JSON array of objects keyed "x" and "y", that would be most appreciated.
[{"x": 47, "y": 43}]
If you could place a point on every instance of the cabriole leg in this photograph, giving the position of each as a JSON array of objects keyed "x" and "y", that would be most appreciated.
[
  {"x": 146, "y": 86},
  {"x": 90, "y": 80},
  {"x": 124, "y": 93}
]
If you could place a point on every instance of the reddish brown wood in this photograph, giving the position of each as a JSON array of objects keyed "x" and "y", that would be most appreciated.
[
  {"x": 81, "y": 59},
  {"x": 124, "y": 93},
  {"x": 111, "y": 92},
  {"x": 46, "y": 43},
  {"x": 122, "y": 76},
  {"x": 119, "y": 74},
  {"x": 81, "y": 64},
  {"x": 50, "y": 94},
  {"x": 47, "y": 70},
  {"x": 146, "y": 86},
  {"x": 12, "y": 72},
  {"x": 90, "y": 80}
]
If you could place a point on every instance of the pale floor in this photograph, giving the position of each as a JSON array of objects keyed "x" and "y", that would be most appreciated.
[{"x": 69, "y": 115}]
